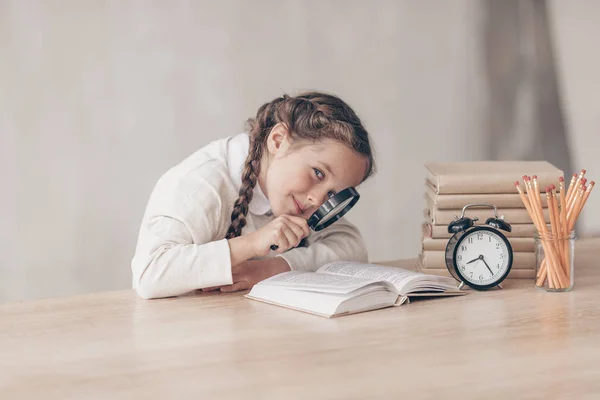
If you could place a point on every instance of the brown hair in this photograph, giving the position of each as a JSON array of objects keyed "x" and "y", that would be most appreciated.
[{"x": 310, "y": 116}]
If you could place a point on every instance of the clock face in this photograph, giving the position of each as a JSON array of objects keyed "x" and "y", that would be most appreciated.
[{"x": 483, "y": 257}]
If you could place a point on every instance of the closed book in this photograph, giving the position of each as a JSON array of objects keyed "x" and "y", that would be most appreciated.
[
  {"x": 458, "y": 201},
  {"x": 441, "y": 231},
  {"x": 526, "y": 244},
  {"x": 511, "y": 215},
  {"x": 513, "y": 274},
  {"x": 468, "y": 177},
  {"x": 437, "y": 259}
]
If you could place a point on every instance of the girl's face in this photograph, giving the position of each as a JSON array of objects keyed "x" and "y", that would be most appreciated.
[{"x": 298, "y": 179}]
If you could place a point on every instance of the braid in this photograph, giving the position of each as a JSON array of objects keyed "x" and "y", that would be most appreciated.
[
  {"x": 249, "y": 179},
  {"x": 259, "y": 130}
]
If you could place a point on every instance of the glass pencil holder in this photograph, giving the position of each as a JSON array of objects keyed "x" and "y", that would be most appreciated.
[{"x": 554, "y": 261}]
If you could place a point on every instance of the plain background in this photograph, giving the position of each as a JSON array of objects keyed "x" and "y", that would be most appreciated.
[{"x": 99, "y": 98}]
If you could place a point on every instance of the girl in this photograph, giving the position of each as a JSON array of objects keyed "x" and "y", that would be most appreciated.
[{"x": 210, "y": 221}]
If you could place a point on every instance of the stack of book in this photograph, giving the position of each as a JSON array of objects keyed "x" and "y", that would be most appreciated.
[{"x": 451, "y": 186}]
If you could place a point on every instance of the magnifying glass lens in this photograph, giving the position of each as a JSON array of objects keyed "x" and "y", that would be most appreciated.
[{"x": 335, "y": 211}]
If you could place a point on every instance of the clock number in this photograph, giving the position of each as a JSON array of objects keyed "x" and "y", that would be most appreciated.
[
  {"x": 480, "y": 277},
  {"x": 498, "y": 266},
  {"x": 497, "y": 245},
  {"x": 470, "y": 240},
  {"x": 503, "y": 256},
  {"x": 459, "y": 258},
  {"x": 462, "y": 267},
  {"x": 463, "y": 248},
  {"x": 471, "y": 274},
  {"x": 479, "y": 236}
]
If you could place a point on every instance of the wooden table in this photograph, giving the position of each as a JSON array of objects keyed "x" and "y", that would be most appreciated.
[{"x": 516, "y": 343}]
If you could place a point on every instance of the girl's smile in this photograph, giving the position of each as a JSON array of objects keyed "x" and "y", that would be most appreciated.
[{"x": 299, "y": 210}]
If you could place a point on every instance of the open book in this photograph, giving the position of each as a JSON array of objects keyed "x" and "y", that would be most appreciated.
[{"x": 344, "y": 287}]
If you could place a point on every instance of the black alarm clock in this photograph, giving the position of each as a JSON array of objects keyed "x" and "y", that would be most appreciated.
[{"x": 479, "y": 256}]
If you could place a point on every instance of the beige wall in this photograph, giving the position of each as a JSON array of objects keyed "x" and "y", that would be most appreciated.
[
  {"x": 576, "y": 34},
  {"x": 100, "y": 97}
]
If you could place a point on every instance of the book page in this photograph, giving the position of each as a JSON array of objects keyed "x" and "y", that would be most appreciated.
[
  {"x": 312, "y": 281},
  {"x": 404, "y": 280},
  {"x": 396, "y": 276}
]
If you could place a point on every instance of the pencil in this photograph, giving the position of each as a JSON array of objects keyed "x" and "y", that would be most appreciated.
[
  {"x": 583, "y": 201},
  {"x": 556, "y": 228},
  {"x": 570, "y": 189},
  {"x": 576, "y": 186},
  {"x": 577, "y": 196},
  {"x": 563, "y": 223},
  {"x": 552, "y": 237}
]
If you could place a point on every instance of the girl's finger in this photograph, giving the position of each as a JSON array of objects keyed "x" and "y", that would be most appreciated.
[
  {"x": 291, "y": 238},
  {"x": 235, "y": 287},
  {"x": 298, "y": 232},
  {"x": 301, "y": 223},
  {"x": 281, "y": 239}
]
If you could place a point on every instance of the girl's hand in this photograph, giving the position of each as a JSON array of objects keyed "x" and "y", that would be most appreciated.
[
  {"x": 285, "y": 231},
  {"x": 248, "y": 273}
]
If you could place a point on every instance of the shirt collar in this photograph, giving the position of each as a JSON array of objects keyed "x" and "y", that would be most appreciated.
[{"x": 237, "y": 152}]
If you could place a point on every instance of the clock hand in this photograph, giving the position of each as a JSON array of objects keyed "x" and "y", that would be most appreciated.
[
  {"x": 488, "y": 267},
  {"x": 473, "y": 260}
]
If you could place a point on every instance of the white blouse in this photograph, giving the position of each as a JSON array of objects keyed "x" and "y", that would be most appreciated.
[{"x": 181, "y": 245}]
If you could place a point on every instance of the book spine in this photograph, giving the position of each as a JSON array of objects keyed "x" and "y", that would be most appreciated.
[
  {"x": 436, "y": 216},
  {"x": 504, "y": 183},
  {"x": 441, "y": 231},
  {"x": 513, "y": 274},
  {"x": 458, "y": 201},
  {"x": 436, "y": 259},
  {"x": 517, "y": 244}
]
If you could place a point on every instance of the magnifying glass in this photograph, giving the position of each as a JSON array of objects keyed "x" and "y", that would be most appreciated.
[{"x": 332, "y": 210}]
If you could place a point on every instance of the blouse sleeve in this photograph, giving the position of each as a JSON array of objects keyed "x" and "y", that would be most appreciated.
[{"x": 178, "y": 250}]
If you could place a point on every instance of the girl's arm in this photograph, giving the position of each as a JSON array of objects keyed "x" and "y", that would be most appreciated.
[
  {"x": 167, "y": 262},
  {"x": 179, "y": 248},
  {"x": 340, "y": 241}
]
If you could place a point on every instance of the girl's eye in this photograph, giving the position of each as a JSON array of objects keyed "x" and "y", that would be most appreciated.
[{"x": 318, "y": 173}]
